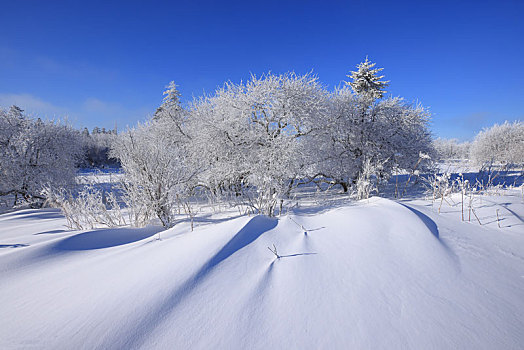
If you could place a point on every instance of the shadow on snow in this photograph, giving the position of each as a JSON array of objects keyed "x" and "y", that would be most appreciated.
[
  {"x": 16, "y": 245},
  {"x": 49, "y": 232},
  {"x": 248, "y": 234},
  {"x": 35, "y": 214},
  {"x": 105, "y": 238},
  {"x": 430, "y": 224}
]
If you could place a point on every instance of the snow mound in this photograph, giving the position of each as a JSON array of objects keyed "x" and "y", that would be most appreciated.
[{"x": 375, "y": 274}]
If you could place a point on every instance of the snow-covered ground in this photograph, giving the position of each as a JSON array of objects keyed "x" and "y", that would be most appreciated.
[{"x": 357, "y": 275}]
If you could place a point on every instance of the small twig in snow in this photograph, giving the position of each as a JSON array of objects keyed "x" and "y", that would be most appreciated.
[
  {"x": 302, "y": 227},
  {"x": 274, "y": 251}
]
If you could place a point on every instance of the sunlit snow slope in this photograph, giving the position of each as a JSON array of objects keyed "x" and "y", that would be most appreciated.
[{"x": 372, "y": 274}]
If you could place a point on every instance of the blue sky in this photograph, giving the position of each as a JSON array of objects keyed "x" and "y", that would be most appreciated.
[{"x": 101, "y": 62}]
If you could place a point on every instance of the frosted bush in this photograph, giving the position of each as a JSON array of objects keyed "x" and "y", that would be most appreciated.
[{"x": 90, "y": 208}]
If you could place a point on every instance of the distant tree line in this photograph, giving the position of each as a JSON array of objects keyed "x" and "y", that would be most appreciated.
[
  {"x": 97, "y": 145},
  {"x": 500, "y": 144},
  {"x": 35, "y": 153},
  {"x": 447, "y": 149}
]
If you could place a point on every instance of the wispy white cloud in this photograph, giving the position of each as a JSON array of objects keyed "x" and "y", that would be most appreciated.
[
  {"x": 114, "y": 112},
  {"x": 96, "y": 105},
  {"x": 93, "y": 111},
  {"x": 33, "y": 105}
]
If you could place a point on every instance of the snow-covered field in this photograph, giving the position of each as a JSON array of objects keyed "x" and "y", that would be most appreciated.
[{"x": 371, "y": 274}]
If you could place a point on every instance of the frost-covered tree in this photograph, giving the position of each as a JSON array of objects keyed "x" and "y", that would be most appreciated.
[
  {"x": 499, "y": 144},
  {"x": 388, "y": 135},
  {"x": 172, "y": 109},
  {"x": 398, "y": 134},
  {"x": 366, "y": 82},
  {"x": 368, "y": 137},
  {"x": 336, "y": 147},
  {"x": 253, "y": 135},
  {"x": 157, "y": 171},
  {"x": 34, "y": 153}
]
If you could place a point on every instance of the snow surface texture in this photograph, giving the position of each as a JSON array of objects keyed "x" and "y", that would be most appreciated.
[{"x": 371, "y": 274}]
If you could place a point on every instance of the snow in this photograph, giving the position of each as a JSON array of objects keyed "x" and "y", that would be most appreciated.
[{"x": 370, "y": 274}]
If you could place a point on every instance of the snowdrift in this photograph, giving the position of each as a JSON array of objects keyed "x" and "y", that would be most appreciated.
[{"x": 372, "y": 274}]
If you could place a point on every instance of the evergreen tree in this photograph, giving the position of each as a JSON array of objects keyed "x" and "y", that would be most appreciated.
[
  {"x": 171, "y": 113},
  {"x": 171, "y": 106},
  {"x": 366, "y": 81}
]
